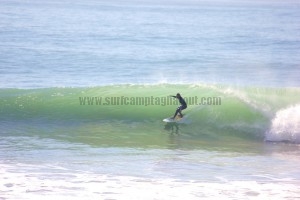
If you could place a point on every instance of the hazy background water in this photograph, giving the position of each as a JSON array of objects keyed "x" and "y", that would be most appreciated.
[{"x": 89, "y": 43}]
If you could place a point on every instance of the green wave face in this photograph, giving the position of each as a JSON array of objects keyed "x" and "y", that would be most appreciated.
[{"x": 134, "y": 113}]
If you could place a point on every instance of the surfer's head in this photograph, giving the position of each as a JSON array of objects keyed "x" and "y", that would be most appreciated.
[{"x": 178, "y": 95}]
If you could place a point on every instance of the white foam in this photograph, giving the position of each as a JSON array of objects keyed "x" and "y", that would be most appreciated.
[
  {"x": 285, "y": 126},
  {"x": 85, "y": 185}
]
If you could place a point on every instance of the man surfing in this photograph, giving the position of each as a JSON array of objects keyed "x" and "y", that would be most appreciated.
[{"x": 181, "y": 107}]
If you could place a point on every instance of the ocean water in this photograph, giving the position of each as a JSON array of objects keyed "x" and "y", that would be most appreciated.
[{"x": 85, "y": 85}]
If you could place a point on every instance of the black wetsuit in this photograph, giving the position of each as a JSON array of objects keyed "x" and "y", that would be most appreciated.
[{"x": 181, "y": 107}]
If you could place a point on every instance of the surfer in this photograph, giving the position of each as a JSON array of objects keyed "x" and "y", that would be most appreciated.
[{"x": 181, "y": 107}]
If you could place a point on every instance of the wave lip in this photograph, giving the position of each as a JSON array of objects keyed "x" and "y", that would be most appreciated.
[{"x": 285, "y": 126}]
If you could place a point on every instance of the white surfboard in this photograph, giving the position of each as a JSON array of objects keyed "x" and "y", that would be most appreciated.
[{"x": 171, "y": 120}]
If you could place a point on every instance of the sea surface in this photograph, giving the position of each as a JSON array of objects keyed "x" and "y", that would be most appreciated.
[{"x": 85, "y": 85}]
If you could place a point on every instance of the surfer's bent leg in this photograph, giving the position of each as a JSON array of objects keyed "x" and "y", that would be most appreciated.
[{"x": 178, "y": 110}]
